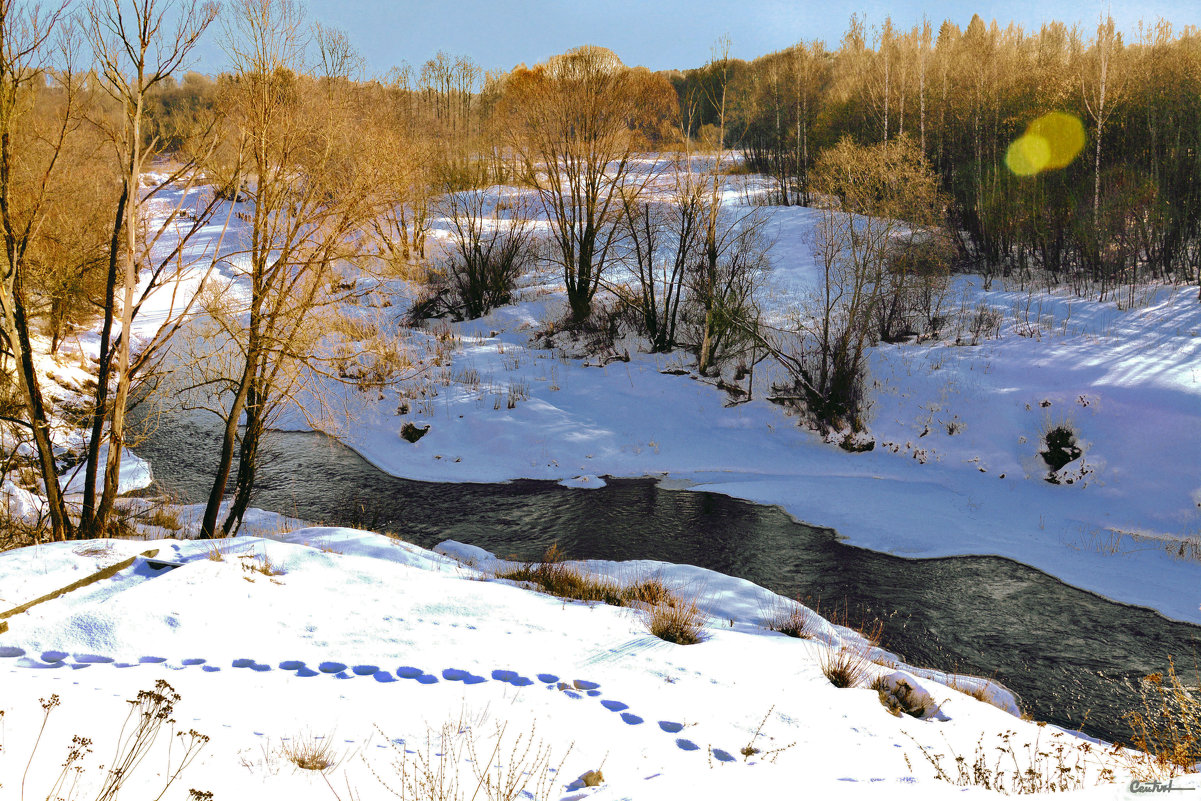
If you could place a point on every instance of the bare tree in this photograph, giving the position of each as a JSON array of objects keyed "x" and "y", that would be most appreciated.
[
  {"x": 25, "y": 32},
  {"x": 136, "y": 48},
  {"x": 881, "y": 201},
  {"x": 575, "y": 125},
  {"x": 309, "y": 191},
  {"x": 662, "y": 238},
  {"x": 407, "y": 158}
]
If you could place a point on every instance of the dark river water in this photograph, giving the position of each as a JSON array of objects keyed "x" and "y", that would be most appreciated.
[{"x": 1075, "y": 659}]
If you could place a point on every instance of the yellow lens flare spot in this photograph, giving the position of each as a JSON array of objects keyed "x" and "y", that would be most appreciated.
[
  {"x": 1029, "y": 155},
  {"x": 1051, "y": 142}
]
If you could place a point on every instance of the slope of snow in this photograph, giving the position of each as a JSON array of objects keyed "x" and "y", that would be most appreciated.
[{"x": 369, "y": 642}]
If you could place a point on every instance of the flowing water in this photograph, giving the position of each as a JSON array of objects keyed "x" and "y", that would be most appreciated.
[{"x": 1074, "y": 658}]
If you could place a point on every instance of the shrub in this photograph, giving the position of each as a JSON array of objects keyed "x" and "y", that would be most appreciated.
[
  {"x": 16, "y": 533},
  {"x": 488, "y": 250}
]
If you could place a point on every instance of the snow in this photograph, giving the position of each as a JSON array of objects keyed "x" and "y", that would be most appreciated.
[
  {"x": 293, "y": 631},
  {"x": 363, "y": 640},
  {"x": 134, "y": 474}
]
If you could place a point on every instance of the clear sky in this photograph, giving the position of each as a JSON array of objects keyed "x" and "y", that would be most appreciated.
[{"x": 663, "y": 34}]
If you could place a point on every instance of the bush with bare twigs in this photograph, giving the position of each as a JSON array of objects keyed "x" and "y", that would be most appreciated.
[
  {"x": 1167, "y": 726},
  {"x": 517, "y": 768},
  {"x": 150, "y": 712},
  {"x": 1064, "y": 764}
]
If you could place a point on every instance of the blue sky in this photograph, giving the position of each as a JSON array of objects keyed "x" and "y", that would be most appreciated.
[{"x": 498, "y": 34}]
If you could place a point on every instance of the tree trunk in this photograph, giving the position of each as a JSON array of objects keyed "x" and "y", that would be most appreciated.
[
  {"x": 87, "y": 518},
  {"x": 208, "y": 526}
]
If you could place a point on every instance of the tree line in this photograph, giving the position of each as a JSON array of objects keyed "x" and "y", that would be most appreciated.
[{"x": 1123, "y": 209}]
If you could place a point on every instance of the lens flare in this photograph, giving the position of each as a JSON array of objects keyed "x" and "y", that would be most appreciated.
[
  {"x": 1028, "y": 155},
  {"x": 1051, "y": 142}
]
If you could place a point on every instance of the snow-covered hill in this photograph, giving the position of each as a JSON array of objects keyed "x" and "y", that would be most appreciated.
[{"x": 375, "y": 646}]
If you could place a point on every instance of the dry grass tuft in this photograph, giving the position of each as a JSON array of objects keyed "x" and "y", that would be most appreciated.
[
  {"x": 669, "y": 615},
  {"x": 844, "y": 667},
  {"x": 790, "y": 618},
  {"x": 161, "y": 517},
  {"x": 647, "y": 590},
  {"x": 554, "y": 577},
  {"x": 260, "y": 564},
  {"x": 678, "y": 620},
  {"x": 979, "y": 691},
  {"x": 309, "y": 752}
]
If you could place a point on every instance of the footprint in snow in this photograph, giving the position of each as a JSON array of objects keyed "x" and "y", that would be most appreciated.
[
  {"x": 250, "y": 663},
  {"x": 512, "y": 677},
  {"x": 630, "y": 718},
  {"x": 454, "y": 674},
  {"x": 671, "y": 727},
  {"x": 722, "y": 756},
  {"x": 417, "y": 674},
  {"x": 686, "y": 745}
]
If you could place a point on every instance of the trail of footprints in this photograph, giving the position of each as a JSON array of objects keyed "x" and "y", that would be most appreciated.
[{"x": 576, "y": 689}]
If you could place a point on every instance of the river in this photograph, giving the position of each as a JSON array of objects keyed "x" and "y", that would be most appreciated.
[{"x": 1074, "y": 658}]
